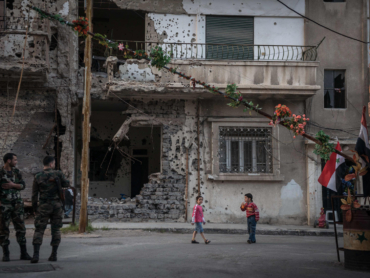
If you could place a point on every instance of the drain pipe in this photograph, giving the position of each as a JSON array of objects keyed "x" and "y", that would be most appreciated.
[{"x": 198, "y": 147}]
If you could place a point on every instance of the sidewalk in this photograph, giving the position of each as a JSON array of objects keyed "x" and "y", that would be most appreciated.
[
  {"x": 214, "y": 228},
  {"x": 217, "y": 228}
]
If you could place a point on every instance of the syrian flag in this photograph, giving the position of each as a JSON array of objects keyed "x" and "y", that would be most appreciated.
[
  {"x": 363, "y": 149},
  {"x": 334, "y": 171}
]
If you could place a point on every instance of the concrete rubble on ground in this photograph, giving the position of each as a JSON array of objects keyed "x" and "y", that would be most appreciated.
[{"x": 160, "y": 199}]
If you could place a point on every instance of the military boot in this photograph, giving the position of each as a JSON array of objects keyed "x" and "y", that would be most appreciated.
[
  {"x": 6, "y": 253},
  {"x": 24, "y": 254},
  {"x": 53, "y": 256},
  {"x": 36, "y": 251}
]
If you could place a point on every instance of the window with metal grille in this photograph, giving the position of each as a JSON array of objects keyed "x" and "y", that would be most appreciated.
[
  {"x": 245, "y": 150},
  {"x": 334, "y": 89}
]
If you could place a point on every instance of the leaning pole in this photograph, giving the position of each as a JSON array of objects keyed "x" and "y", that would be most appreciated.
[{"x": 86, "y": 111}]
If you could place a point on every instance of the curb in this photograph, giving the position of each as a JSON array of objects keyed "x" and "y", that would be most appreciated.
[
  {"x": 234, "y": 231},
  {"x": 243, "y": 232}
]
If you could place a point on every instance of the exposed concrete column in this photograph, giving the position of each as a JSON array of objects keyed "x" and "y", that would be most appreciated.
[{"x": 314, "y": 190}]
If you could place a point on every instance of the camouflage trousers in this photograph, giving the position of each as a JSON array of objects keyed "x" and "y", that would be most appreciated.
[
  {"x": 53, "y": 210},
  {"x": 12, "y": 212}
]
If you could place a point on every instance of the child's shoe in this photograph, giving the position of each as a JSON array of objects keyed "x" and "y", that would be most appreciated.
[
  {"x": 194, "y": 241},
  {"x": 249, "y": 241}
]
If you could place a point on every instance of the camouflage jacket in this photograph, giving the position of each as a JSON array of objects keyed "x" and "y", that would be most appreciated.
[
  {"x": 8, "y": 196},
  {"x": 47, "y": 189}
]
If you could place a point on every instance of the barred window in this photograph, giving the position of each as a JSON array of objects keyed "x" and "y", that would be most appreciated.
[{"x": 245, "y": 150}]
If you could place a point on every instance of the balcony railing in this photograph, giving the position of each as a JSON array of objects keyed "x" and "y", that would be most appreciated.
[
  {"x": 203, "y": 51},
  {"x": 12, "y": 23}
]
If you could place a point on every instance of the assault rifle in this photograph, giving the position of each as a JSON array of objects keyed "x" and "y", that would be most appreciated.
[{"x": 60, "y": 191}]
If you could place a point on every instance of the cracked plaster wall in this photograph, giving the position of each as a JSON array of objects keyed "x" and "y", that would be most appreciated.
[
  {"x": 222, "y": 199},
  {"x": 218, "y": 7},
  {"x": 136, "y": 70},
  {"x": 34, "y": 116}
]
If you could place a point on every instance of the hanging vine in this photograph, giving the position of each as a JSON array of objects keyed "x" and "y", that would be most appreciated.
[{"x": 325, "y": 149}]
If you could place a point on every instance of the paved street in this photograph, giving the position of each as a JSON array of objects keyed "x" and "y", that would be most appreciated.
[{"x": 135, "y": 253}]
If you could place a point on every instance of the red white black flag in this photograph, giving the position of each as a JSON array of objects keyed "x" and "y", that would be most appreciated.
[
  {"x": 363, "y": 149},
  {"x": 334, "y": 171}
]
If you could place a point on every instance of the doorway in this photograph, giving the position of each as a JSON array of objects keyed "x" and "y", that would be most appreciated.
[
  {"x": 139, "y": 174},
  {"x": 146, "y": 155}
]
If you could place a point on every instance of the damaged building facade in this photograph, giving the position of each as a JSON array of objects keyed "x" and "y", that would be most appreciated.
[{"x": 180, "y": 141}]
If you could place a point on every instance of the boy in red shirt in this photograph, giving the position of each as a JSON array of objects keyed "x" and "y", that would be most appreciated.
[
  {"x": 198, "y": 219},
  {"x": 253, "y": 215}
]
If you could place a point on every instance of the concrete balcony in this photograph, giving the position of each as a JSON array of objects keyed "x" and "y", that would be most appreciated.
[
  {"x": 260, "y": 71},
  {"x": 12, "y": 37}
]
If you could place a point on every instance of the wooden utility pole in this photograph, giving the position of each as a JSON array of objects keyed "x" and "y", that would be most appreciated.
[
  {"x": 86, "y": 111},
  {"x": 198, "y": 149}
]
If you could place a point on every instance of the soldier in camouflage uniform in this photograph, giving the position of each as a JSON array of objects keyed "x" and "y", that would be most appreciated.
[
  {"x": 50, "y": 207},
  {"x": 11, "y": 206}
]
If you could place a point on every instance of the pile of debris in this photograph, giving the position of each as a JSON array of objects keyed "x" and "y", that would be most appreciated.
[{"x": 162, "y": 199}]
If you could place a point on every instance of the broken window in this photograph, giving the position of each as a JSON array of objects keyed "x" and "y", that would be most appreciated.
[
  {"x": 245, "y": 150},
  {"x": 231, "y": 30},
  {"x": 334, "y": 89},
  {"x": 121, "y": 25}
]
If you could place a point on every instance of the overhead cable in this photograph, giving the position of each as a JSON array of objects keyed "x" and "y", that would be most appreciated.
[{"x": 320, "y": 24}]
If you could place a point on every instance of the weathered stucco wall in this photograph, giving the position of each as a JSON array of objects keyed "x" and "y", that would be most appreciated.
[
  {"x": 336, "y": 53},
  {"x": 49, "y": 78},
  {"x": 278, "y": 31},
  {"x": 273, "y": 23},
  {"x": 279, "y": 201},
  {"x": 218, "y": 7},
  {"x": 28, "y": 131}
]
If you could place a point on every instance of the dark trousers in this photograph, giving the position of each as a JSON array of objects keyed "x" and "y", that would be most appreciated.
[{"x": 252, "y": 223}]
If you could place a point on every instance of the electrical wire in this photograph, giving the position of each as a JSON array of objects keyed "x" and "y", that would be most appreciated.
[{"x": 321, "y": 24}]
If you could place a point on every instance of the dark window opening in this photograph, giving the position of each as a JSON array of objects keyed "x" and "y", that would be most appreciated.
[
  {"x": 335, "y": 1},
  {"x": 104, "y": 164},
  {"x": 54, "y": 42},
  {"x": 334, "y": 89},
  {"x": 117, "y": 24},
  {"x": 59, "y": 130},
  {"x": 9, "y": 4},
  {"x": 2, "y": 14},
  {"x": 232, "y": 30},
  {"x": 140, "y": 152}
]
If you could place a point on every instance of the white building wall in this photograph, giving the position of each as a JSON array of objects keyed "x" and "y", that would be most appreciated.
[
  {"x": 278, "y": 31},
  {"x": 244, "y": 7},
  {"x": 273, "y": 23}
]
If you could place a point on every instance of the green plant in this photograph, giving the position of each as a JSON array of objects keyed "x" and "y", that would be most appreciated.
[
  {"x": 238, "y": 98},
  {"x": 105, "y": 228},
  {"x": 140, "y": 54},
  {"x": 103, "y": 40},
  {"x": 159, "y": 57},
  {"x": 324, "y": 150}
]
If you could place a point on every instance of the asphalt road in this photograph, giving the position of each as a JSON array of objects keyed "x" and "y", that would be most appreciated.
[{"x": 120, "y": 253}]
